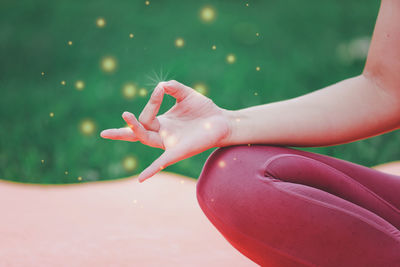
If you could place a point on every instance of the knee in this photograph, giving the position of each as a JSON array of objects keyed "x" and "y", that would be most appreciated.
[{"x": 234, "y": 171}]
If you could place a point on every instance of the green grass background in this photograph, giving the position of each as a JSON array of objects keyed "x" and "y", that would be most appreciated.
[{"x": 297, "y": 51}]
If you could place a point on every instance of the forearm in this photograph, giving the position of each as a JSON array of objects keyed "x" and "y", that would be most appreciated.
[
  {"x": 347, "y": 111},
  {"x": 353, "y": 109}
]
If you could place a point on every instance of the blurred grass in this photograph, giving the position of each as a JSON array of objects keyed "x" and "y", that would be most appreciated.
[{"x": 297, "y": 50}]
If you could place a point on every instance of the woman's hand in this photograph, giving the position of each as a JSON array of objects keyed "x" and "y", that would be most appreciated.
[{"x": 193, "y": 125}]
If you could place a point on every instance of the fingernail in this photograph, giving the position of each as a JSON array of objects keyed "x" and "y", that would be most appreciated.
[{"x": 127, "y": 114}]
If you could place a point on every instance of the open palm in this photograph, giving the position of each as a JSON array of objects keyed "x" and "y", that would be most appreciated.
[{"x": 193, "y": 125}]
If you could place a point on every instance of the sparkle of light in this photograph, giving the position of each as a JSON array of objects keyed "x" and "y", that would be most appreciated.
[
  {"x": 42, "y": 161},
  {"x": 69, "y": 42},
  {"x": 101, "y": 22},
  {"x": 258, "y": 68},
  {"x": 221, "y": 163},
  {"x": 163, "y": 133},
  {"x": 179, "y": 42},
  {"x": 170, "y": 140},
  {"x": 207, "y": 14},
  {"x": 147, "y": 3},
  {"x": 108, "y": 64},
  {"x": 51, "y": 114},
  {"x": 255, "y": 93},
  {"x": 87, "y": 127},
  {"x": 131, "y": 35},
  {"x": 257, "y": 34},
  {"x": 247, "y": 4},
  {"x": 66, "y": 172},
  {"x": 42, "y": 73},
  {"x": 214, "y": 47},
  {"x": 79, "y": 178},
  {"x": 207, "y": 125},
  {"x": 129, "y": 90},
  {"x": 230, "y": 58},
  {"x": 201, "y": 88},
  {"x": 129, "y": 163},
  {"x": 142, "y": 92},
  {"x": 79, "y": 85},
  {"x": 63, "y": 83},
  {"x": 182, "y": 181}
]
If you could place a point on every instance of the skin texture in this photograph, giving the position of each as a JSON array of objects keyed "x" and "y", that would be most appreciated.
[{"x": 356, "y": 108}]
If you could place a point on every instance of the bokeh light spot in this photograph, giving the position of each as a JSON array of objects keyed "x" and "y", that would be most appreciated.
[
  {"x": 163, "y": 133},
  {"x": 179, "y": 42},
  {"x": 80, "y": 178},
  {"x": 214, "y": 47},
  {"x": 258, "y": 68},
  {"x": 51, "y": 114},
  {"x": 79, "y": 85},
  {"x": 108, "y": 64},
  {"x": 231, "y": 58},
  {"x": 147, "y": 3},
  {"x": 129, "y": 90},
  {"x": 131, "y": 35},
  {"x": 63, "y": 83},
  {"x": 87, "y": 127},
  {"x": 142, "y": 92},
  {"x": 207, "y": 14},
  {"x": 129, "y": 163},
  {"x": 201, "y": 88},
  {"x": 101, "y": 22},
  {"x": 69, "y": 42},
  {"x": 171, "y": 141},
  {"x": 221, "y": 163}
]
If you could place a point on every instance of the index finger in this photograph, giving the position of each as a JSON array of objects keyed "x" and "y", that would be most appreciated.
[
  {"x": 176, "y": 89},
  {"x": 148, "y": 115}
]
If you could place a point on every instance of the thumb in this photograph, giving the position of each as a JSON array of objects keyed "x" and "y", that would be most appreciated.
[{"x": 167, "y": 158}]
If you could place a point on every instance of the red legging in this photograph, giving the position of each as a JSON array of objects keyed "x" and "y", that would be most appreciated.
[{"x": 285, "y": 207}]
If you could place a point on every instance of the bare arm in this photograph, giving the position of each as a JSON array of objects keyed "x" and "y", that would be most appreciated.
[
  {"x": 356, "y": 108},
  {"x": 353, "y": 109}
]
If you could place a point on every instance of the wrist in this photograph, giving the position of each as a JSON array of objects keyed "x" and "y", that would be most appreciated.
[{"x": 231, "y": 118}]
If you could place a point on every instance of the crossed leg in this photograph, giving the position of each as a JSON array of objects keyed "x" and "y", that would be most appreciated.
[{"x": 285, "y": 207}]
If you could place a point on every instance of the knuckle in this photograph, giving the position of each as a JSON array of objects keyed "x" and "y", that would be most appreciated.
[{"x": 173, "y": 82}]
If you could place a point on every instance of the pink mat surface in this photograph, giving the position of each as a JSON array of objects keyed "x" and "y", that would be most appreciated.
[{"x": 112, "y": 223}]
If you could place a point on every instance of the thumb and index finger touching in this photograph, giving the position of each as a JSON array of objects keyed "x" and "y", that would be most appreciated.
[
  {"x": 148, "y": 118},
  {"x": 172, "y": 155}
]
